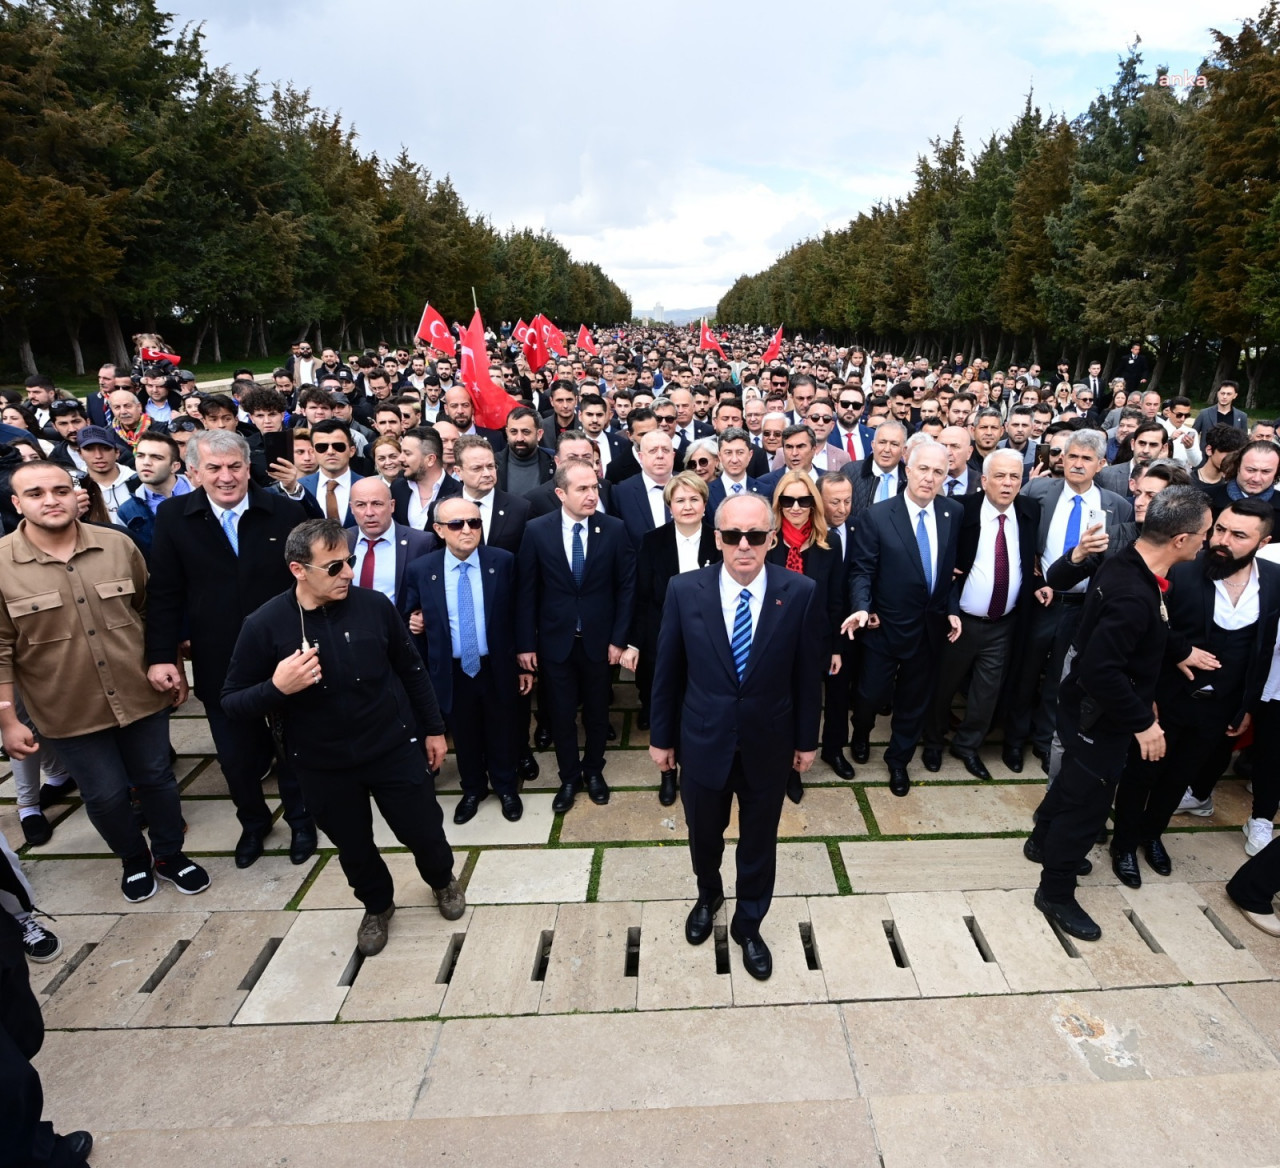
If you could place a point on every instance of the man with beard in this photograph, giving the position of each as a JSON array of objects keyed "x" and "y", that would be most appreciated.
[
  {"x": 1226, "y": 603},
  {"x": 523, "y": 465}
]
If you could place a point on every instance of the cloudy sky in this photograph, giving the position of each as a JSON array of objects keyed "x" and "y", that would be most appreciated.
[{"x": 681, "y": 144}]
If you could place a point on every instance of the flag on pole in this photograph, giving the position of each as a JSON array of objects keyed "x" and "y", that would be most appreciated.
[
  {"x": 433, "y": 330},
  {"x": 535, "y": 350},
  {"x": 775, "y": 347},
  {"x": 585, "y": 342},
  {"x": 552, "y": 337},
  {"x": 707, "y": 341},
  {"x": 521, "y": 332},
  {"x": 492, "y": 403}
]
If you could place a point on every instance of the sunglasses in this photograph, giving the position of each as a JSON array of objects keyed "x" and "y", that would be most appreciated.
[
  {"x": 803, "y": 501},
  {"x": 458, "y": 524},
  {"x": 663, "y": 419},
  {"x": 321, "y": 447},
  {"x": 701, "y": 462},
  {"x": 731, "y": 537},
  {"x": 850, "y": 403},
  {"x": 822, "y": 417},
  {"x": 333, "y": 568}
]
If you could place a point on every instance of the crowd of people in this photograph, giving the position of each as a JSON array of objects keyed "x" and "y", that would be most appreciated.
[{"x": 1055, "y": 569}]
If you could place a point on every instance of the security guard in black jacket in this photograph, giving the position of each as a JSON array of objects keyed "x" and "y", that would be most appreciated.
[{"x": 1106, "y": 700}]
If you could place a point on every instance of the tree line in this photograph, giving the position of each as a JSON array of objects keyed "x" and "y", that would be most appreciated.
[
  {"x": 1153, "y": 216},
  {"x": 143, "y": 188}
]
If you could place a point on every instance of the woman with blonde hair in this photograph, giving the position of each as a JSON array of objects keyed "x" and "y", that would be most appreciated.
[{"x": 385, "y": 453}]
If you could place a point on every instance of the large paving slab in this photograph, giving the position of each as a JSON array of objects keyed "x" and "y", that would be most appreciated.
[
  {"x": 211, "y": 783},
  {"x": 937, "y": 865},
  {"x": 852, "y": 936},
  {"x": 792, "y": 979},
  {"x": 674, "y": 974},
  {"x": 935, "y": 937},
  {"x": 951, "y": 808},
  {"x": 211, "y": 827},
  {"x": 665, "y": 873},
  {"x": 530, "y": 876},
  {"x": 1265, "y": 948},
  {"x": 594, "y": 964},
  {"x": 302, "y": 982},
  {"x": 1125, "y": 955},
  {"x": 1259, "y": 1002},
  {"x": 190, "y": 736},
  {"x": 487, "y": 828},
  {"x": 565, "y": 1063},
  {"x": 499, "y": 961},
  {"x": 1029, "y": 953},
  {"x": 331, "y": 890},
  {"x": 78, "y": 935}
]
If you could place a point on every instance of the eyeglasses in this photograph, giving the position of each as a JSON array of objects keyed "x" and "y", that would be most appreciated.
[
  {"x": 732, "y": 537},
  {"x": 475, "y": 523},
  {"x": 701, "y": 462},
  {"x": 333, "y": 568},
  {"x": 321, "y": 447},
  {"x": 803, "y": 501}
]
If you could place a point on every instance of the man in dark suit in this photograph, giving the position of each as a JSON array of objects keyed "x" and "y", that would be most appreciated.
[
  {"x": 424, "y": 480},
  {"x": 504, "y": 515},
  {"x": 904, "y": 555},
  {"x": 741, "y": 645},
  {"x": 577, "y": 574},
  {"x": 523, "y": 465},
  {"x": 217, "y": 554},
  {"x": 849, "y": 433},
  {"x": 962, "y": 478},
  {"x": 563, "y": 399},
  {"x": 330, "y": 486},
  {"x": 572, "y": 445},
  {"x": 996, "y": 578},
  {"x": 463, "y": 597},
  {"x": 880, "y": 476},
  {"x": 383, "y": 549},
  {"x": 837, "y": 503},
  {"x": 638, "y": 500},
  {"x": 736, "y": 454},
  {"x": 639, "y": 423},
  {"x": 461, "y": 411}
]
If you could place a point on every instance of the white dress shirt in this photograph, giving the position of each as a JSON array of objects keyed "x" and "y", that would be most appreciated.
[
  {"x": 342, "y": 495},
  {"x": 653, "y": 494},
  {"x": 859, "y": 451},
  {"x": 566, "y": 532},
  {"x": 384, "y": 562},
  {"x": 687, "y": 549},
  {"x": 914, "y": 511},
  {"x": 1052, "y": 551},
  {"x": 1244, "y": 611},
  {"x": 731, "y": 590},
  {"x": 418, "y": 509},
  {"x": 238, "y": 511},
  {"x": 978, "y": 586},
  {"x": 486, "y": 511}
]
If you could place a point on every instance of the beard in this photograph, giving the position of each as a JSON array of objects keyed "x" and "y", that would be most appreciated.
[{"x": 1219, "y": 564}]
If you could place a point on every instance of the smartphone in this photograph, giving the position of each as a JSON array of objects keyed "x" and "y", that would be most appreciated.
[
  {"x": 1042, "y": 454},
  {"x": 278, "y": 446}
]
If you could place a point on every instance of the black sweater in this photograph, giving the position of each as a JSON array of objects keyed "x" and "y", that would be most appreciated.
[{"x": 374, "y": 697}]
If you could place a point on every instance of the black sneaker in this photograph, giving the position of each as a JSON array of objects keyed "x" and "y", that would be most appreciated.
[
  {"x": 185, "y": 875},
  {"x": 40, "y": 944},
  {"x": 138, "y": 882}
]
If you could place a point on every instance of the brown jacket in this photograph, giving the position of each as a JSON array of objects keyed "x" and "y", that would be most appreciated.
[{"x": 71, "y": 634}]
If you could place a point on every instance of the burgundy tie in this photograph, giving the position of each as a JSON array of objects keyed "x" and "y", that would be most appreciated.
[
  {"x": 1000, "y": 584},
  {"x": 366, "y": 568}
]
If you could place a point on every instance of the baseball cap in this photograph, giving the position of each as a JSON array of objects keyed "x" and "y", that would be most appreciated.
[{"x": 95, "y": 436}]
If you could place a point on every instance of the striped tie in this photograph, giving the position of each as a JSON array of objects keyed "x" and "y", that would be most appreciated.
[{"x": 741, "y": 643}]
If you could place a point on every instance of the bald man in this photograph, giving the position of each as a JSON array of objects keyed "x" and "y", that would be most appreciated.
[{"x": 382, "y": 547}]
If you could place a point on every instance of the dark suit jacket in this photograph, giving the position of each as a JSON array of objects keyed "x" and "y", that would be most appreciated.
[
  {"x": 402, "y": 492},
  {"x": 201, "y": 589},
  {"x": 603, "y": 602},
  {"x": 657, "y": 562},
  {"x": 1027, "y": 516},
  {"x": 544, "y": 500},
  {"x": 865, "y": 482},
  {"x": 311, "y": 484},
  {"x": 622, "y": 466},
  {"x": 824, "y": 567},
  {"x": 760, "y": 465},
  {"x": 506, "y": 528},
  {"x": 768, "y": 715},
  {"x": 410, "y": 544},
  {"x": 497, "y": 438},
  {"x": 424, "y": 589},
  {"x": 716, "y": 494},
  {"x": 865, "y": 433},
  {"x": 631, "y": 505},
  {"x": 551, "y": 430},
  {"x": 546, "y": 466},
  {"x": 888, "y": 577}
]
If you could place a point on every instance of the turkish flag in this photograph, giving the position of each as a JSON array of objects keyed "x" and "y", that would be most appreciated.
[
  {"x": 433, "y": 330},
  {"x": 156, "y": 355},
  {"x": 492, "y": 403},
  {"x": 535, "y": 349},
  {"x": 521, "y": 332},
  {"x": 707, "y": 341},
  {"x": 585, "y": 342},
  {"x": 552, "y": 337},
  {"x": 775, "y": 347}
]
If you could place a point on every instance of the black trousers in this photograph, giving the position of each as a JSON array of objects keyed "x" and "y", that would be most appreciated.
[
  {"x": 570, "y": 683},
  {"x": 983, "y": 647},
  {"x": 706, "y": 811},
  {"x": 837, "y": 695},
  {"x": 1077, "y": 803},
  {"x": 397, "y": 783},
  {"x": 1255, "y": 885},
  {"x": 1031, "y": 703},
  {"x": 909, "y": 681},
  {"x": 1266, "y": 760},
  {"x": 245, "y": 753},
  {"x": 24, "y": 1137},
  {"x": 484, "y": 734}
]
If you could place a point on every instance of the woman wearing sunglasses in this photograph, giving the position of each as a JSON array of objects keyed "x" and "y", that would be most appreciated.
[
  {"x": 802, "y": 547},
  {"x": 703, "y": 459}
]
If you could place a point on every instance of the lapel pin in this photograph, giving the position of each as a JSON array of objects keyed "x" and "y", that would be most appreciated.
[
  {"x": 596, "y": 530},
  {"x": 778, "y": 603},
  {"x": 433, "y": 576}
]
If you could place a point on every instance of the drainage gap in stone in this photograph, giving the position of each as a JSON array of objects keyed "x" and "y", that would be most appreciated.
[
  {"x": 349, "y": 975},
  {"x": 55, "y": 983},
  {"x": 721, "y": 935},
  {"x": 632, "y": 966},
  {"x": 1067, "y": 944},
  {"x": 171, "y": 959},
  {"x": 450, "y": 961},
  {"x": 1142, "y": 931},
  {"x": 260, "y": 964},
  {"x": 979, "y": 940},
  {"x": 895, "y": 944},
  {"x": 543, "y": 955},
  {"x": 1216, "y": 921},
  {"x": 810, "y": 950}
]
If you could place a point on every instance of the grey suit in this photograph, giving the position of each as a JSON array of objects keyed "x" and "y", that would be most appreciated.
[{"x": 1115, "y": 479}]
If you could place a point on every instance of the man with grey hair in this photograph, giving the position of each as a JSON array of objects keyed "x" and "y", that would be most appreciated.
[
  {"x": 216, "y": 556},
  {"x": 880, "y": 476}
]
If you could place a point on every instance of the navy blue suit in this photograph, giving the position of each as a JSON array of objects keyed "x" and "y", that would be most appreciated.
[
  {"x": 631, "y": 504},
  {"x": 865, "y": 433},
  {"x": 311, "y": 484},
  {"x": 738, "y": 737},
  {"x": 716, "y": 493}
]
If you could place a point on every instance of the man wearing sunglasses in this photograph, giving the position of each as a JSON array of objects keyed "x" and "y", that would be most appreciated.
[{"x": 330, "y": 486}]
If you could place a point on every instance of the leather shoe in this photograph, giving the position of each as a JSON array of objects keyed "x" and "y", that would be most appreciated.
[
  {"x": 860, "y": 748},
  {"x": 512, "y": 807},
  {"x": 1157, "y": 858},
  {"x": 1070, "y": 918},
  {"x": 467, "y": 807},
  {"x": 52, "y": 794},
  {"x": 303, "y": 844},
  {"x": 836, "y": 760},
  {"x": 611, "y": 734},
  {"x": 932, "y": 758},
  {"x": 972, "y": 763},
  {"x": 72, "y": 1149},
  {"x": 668, "y": 788},
  {"x": 542, "y": 738},
  {"x": 1031, "y": 850},
  {"x": 795, "y": 788},
  {"x": 36, "y": 829},
  {"x": 527, "y": 768},
  {"x": 1125, "y": 866},
  {"x": 697, "y": 925},
  {"x": 642, "y": 720},
  {"x": 1011, "y": 756},
  {"x": 755, "y": 953},
  {"x": 249, "y": 846},
  {"x": 564, "y": 797},
  {"x": 899, "y": 780},
  {"x": 597, "y": 789}
]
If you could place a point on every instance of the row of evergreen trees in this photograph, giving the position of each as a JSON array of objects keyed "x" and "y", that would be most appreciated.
[
  {"x": 142, "y": 188},
  {"x": 1154, "y": 216}
]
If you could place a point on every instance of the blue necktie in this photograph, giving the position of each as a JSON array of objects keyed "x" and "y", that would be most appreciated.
[
  {"x": 926, "y": 559},
  {"x": 1073, "y": 525},
  {"x": 883, "y": 493},
  {"x": 741, "y": 643},
  {"x": 579, "y": 557},
  {"x": 737, "y": 488},
  {"x": 468, "y": 639},
  {"x": 229, "y": 526}
]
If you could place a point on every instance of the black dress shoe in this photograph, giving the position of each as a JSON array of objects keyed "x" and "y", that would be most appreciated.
[
  {"x": 1157, "y": 857},
  {"x": 71, "y": 1150},
  {"x": 899, "y": 780},
  {"x": 597, "y": 789},
  {"x": 1011, "y": 756},
  {"x": 303, "y": 844},
  {"x": 51, "y": 794},
  {"x": 795, "y": 788},
  {"x": 1040, "y": 753},
  {"x": 697, "y": 925},
  {"x": 668, "y": 787},
  {"x": 467, "y": 807},
  {"x": 642, "y": 720},
  {"x": 860, "y": 748},
  {"x": 1125, "y": 866},
  {"x": 972, "y": 763},
  {"x": 249, "y": 846},
  {"x": 836, "y": 760},
  {"x": 755, "y": 954},
  {"x": 932, "y": 759},
  {"x": 1031, "y": 850},
  {"x": 1070, "y": 918},
  {"x": 564, "y": 797},
  {"x": 611, "y": 734},
  {"x": 36, "y": 829},
  {"x": 527, "y": 768},
  {"x": 542, "y": 738},
  {"x": 512, "y": 807}
]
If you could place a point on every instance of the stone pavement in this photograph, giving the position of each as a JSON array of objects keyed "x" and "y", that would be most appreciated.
[{"x": 921, "y": 1011}]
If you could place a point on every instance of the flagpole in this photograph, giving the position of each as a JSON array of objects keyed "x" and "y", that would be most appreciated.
[{"x": 474, "y": 303}]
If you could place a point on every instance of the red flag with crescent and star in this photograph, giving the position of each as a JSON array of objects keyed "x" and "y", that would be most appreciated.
[
  {"x": 552, "y": 337},
  {"x": 775, "y": 347},
  {"x": 521, "y": 332},
  {"x": 435, "y": 332},
  {"x": 492, "y": 403},
  {"x": 707, "y": 341},
  {"x": 585, "y": 342},
  {"x": 535, "y": 351}
]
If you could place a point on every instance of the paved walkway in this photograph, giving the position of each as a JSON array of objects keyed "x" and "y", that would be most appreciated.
[{"x": 921, "y": 1011}]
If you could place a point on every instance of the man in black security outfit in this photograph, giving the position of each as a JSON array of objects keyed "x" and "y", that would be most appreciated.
[
  {"x": 358, "y": 712},
  {"x": 1107, "y": 698}
]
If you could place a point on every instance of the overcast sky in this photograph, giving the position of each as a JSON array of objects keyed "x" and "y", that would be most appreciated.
[{"x": 681, "y": 144}]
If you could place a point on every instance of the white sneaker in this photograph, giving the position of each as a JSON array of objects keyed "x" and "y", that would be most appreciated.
[
  {"x": 1258, "y": 833},
  {"x": 1190, "y": 805}
]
